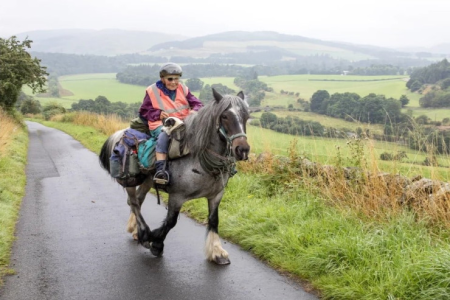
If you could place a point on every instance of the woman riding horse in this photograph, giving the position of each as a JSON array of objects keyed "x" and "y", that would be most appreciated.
[
  {"x": 216, "y": 139},
  {"x": 166, "y": 98}
]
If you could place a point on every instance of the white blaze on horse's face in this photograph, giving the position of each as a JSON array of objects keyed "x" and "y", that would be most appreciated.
[
  {"x": 238, "y": 118},
  {"x": 234, "y": 121}
]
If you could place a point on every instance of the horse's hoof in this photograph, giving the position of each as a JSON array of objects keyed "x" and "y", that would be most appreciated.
[
  {"x": 155, "y": 251},
  {"x": 135, "y": 236},
  {"x": 146, "y": 245},
  {"x": 221, "y": 260}
]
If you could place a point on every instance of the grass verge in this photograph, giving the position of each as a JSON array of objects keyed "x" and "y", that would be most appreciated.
[
  {"x": 13, "y": 159},
  {"x": 342, "y": 254}
]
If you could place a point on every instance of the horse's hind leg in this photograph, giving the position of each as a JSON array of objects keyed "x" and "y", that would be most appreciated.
[
  {"x": 143, "y": 231},
  {"x": 159, "y": 234},
  {"x": 213, "y": 247}
]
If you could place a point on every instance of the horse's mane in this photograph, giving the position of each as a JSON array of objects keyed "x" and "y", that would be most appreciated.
[{"x": 201, "y": 127}]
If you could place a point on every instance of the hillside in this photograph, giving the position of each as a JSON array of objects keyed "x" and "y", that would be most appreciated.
[
  {"x": 289, "y": 46},
  {"x": 116, "y": 41},
  {"x": 98, "y": 42}
]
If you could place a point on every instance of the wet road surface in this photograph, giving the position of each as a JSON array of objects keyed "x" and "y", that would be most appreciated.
[{"x": 72, "y": 243}]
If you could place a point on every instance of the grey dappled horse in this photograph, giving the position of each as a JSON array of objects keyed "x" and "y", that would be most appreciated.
[{"x": 216, "y": 138}]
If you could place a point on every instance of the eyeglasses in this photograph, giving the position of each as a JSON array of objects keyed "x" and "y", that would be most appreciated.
[{"x": 173, "y": 78}]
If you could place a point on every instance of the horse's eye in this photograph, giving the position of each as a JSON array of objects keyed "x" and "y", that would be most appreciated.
[{"x": 224, "y": 117}]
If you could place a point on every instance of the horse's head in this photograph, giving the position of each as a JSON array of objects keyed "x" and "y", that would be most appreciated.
[{"x": 233, "y": 122}]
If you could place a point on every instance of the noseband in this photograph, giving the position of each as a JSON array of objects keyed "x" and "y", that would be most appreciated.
[
  {"x": 217, "y": 164},
  {"x": 230, "y": 139}
]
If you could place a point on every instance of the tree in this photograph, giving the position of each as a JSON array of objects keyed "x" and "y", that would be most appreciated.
[
  {"x": 18, "y": 68},
  {"x": 267, "y": 118},
  {"x": 404, "y": 100},
  {"x": 319, "y": 101},
  {"x": 256, "y": 98},
  {"x": 30, "y": 106},
  {"x": 343, "y": 104},
  {"x": 415, "y": 86},
  {"x": 206, "y": 94},
  {"x": 445, "y": 84},
  {"x": 53, "y": 86},
  {"x": 102, "y": 105},
  {"x": 194, "y": 84}
]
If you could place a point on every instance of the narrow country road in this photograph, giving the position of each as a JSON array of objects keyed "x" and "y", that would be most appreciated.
[{"x": 72, "y": 244}]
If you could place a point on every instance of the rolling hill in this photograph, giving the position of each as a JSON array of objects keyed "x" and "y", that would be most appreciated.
[
  {"x": 289, "y": 46},
  {"x": 96, "y": 42},
  {"x": 233, "y": 43}
]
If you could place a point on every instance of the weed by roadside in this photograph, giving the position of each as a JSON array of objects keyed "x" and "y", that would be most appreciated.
[{"x": 13, "y": 158}]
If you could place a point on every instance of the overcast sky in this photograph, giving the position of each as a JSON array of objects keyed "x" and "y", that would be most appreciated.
[{"x": 393, "y": 23}]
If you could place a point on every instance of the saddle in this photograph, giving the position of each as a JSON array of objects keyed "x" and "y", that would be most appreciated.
[{"x": 134, "y": 154}]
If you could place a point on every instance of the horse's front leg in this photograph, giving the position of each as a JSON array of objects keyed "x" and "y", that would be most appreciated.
[
  {"x": 142, "y": 192},
  {"x": 136, "y": 223},
  {"x": 213, "y": 247},
  {"x": 159, "y": 234}
]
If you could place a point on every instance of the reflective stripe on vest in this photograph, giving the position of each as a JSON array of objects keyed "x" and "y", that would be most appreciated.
[{"x": 178, "y": 108}]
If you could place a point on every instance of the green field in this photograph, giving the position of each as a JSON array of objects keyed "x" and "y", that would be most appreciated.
[
  {"x": 324, "y": 150},
  {"x": 433, "y": 114},
  {"x": 89, "y": 86},
  {"x": 307, "y": 85},
  {"x": 324, "y": 120}
]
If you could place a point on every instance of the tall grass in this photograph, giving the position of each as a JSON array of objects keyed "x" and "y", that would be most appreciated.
[
  {"x": 105, "y": 124},
  {"x": 13, "y": 158},
  {"x": 341, "y": 253},
  {"x": 360, "y": 181}
]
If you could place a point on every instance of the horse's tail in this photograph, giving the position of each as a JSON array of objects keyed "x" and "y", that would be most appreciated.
[{"x": 107, "y": 148}]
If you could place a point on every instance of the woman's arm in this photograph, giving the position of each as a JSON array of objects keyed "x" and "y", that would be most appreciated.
[
  {"x": 194, "y": 103},
  {"x": 148, "y": 111}
]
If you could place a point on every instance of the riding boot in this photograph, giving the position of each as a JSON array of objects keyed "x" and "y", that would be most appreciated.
[{"x": 161, "y": 176}]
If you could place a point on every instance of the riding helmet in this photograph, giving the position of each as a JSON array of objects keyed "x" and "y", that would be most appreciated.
[{"x": 170, "y": 69}]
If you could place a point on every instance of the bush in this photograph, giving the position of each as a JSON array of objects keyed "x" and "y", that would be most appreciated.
[
  {"x": 52, "y": 109},
  {"x": 445, "y": 83},
  {"x": 30, "y": 106},
  {"x": 422, "y": 119},
  {"x": 255, "y": 122},
  {"x": 386, "y": 156}
]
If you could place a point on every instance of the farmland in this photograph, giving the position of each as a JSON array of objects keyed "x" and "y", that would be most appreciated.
[
  {"x": 89, "y": 86},
  {"x": 327, "y": 151}
]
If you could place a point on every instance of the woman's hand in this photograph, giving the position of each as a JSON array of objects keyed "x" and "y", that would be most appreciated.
[{"x": 163, "y": 115}]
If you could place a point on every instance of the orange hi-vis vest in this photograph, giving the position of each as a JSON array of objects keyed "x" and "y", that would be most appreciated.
[{"x": 178, "y": 108}]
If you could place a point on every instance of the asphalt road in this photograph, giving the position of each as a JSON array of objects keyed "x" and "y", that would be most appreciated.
[{"x": 72, "y": 243}]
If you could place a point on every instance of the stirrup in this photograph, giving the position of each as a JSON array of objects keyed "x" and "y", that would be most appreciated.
[{"x": 161, "y": 177}]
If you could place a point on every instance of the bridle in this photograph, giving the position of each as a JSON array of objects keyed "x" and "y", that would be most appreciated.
[
  {"x": 230, "y": 139},
  {"x": 217, "y": 164}
]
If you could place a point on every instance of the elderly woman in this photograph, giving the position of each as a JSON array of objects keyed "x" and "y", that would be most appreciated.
[{"x": 166, "y": 98}]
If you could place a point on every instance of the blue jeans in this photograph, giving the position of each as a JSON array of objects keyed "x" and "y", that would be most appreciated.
[{"x": 162, "y": 145}]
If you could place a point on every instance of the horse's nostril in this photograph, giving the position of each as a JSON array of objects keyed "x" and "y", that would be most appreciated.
[{"x": 242, "y": 152}]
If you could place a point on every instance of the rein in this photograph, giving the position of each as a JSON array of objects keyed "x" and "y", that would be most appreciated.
[{"x": 216, "y": 164}]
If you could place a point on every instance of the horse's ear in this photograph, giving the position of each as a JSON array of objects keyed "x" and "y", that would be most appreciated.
[
  {"x": 216, "y": 95},
  {"x": 241, "y": 95}
]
